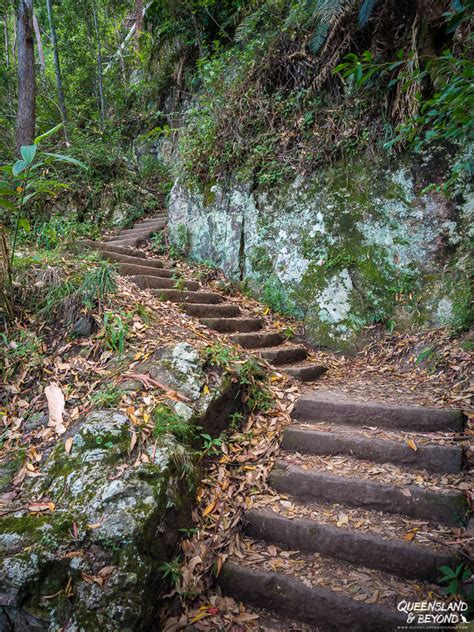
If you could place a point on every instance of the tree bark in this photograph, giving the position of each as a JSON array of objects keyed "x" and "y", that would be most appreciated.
[
  {"x": 39, "y": 44},
  {"x": 6, "y": 37},
  {"x": 99, "y": 62},
  {"x": 25, "y": 121},
  {"x": 138, "y": 19},
  {"x": 57, "y": 66}
]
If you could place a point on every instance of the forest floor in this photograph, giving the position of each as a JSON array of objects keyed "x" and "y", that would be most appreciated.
[{"x": 430, "y": 368}]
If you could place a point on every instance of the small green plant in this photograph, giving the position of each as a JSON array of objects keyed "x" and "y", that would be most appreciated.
[
  {"x": 180, "y": 283},
  {"x": 455, "y": 580},
  {"x": 172, "y": 571},
  {"x": 252, "y": 376},
  {"x": 115, "y": 332},
  {"x": 219, "y": 355},
  {"x": 158, "y": 243},
  {"x": 211, "y": 446},
  {"x": 98, "y": 284},
  {"x": 236, "y": 420},
  {"x": 166, "y": 421},
  {"x": 188, "y": 532},
  {"x": 22, "y": 349},
  {"x": 108, "y": 396}
]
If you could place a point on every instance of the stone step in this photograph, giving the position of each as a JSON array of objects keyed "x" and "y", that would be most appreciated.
[
  {"x": 203, "y": 310},
  {"x": 338, "y": 408},
  {"x": 151, "y": 220},
  {"x": 283, "y": 355},
  {"x": 324, "y": 609},
  {"x": 143, "y": 233},
  {"x": 137, "y": 261},
  {"x": 401, "y": 558},
  {"x": 435, "y": 458},
  {"x": 410, "y": 500},
  {"x": 306, "y": 372},
  {"x": 227, "y": 325},
  {"x": 129, "y": 242},
  {"x": 118, "y": 249},
  {"x": 178, "y": 296},
  {"x": 127, "y": 269},
  {"x": 155, "y": 282},
  {"x": 258, "y": 340},
  {"x": 148, "y": 228}
]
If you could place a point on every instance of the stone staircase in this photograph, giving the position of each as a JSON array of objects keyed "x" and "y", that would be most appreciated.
[
  {"x": 350, "y": 496},
  {"x": 209, "y": 307},
  {"x": 319, "y": 520}
]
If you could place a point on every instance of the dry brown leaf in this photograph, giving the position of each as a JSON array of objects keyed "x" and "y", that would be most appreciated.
[
  {"x": 68, "y": 445},
  {"x": 55, "y": 399},
  {"x": 411, "y": 444}
]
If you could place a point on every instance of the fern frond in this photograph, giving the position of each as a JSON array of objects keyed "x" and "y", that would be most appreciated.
[
  {"x": 319, "y": 37},
  {"x": 366, "y": 11}
]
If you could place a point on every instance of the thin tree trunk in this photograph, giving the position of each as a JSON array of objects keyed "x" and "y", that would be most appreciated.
[
  {"x": 138, "y": 19},
  {"x": 99, "y": 62},
  {"x": 25, "y": 121},
  {"x": 39, "y": 44},
  {"x": 57, "y": 66},
  {"x": 7, "y": 38}
]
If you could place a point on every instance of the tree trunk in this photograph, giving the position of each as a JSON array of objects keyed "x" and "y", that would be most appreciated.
[
  {"x": 25, "y": 121},
  {"x": 39, "y": 44},
  {"x": 57, "y": 66},
  {"x": 6, "y": 37},
  {"x": 138, "y": 19},
  {"x": 99, "y": 62}
]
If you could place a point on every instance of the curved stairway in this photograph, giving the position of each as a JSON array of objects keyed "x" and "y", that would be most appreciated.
[
  {"x": 350, "y": 496},
  {"x": 209, "y": 307}
]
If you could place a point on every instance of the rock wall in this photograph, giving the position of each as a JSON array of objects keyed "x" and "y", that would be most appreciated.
[{"x": 354, "y": 245}]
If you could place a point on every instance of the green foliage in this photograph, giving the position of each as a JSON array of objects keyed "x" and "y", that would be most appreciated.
[
  {"x": 21, "y": 349},
  {"x": 107, "y": 396},
  {"x": 85, "y": 290},
  {"x": 115, "y": 331},
  {"x": 219, "y": 355},
  {"x": 172, "y": 571},
  {"x": 211, "y": 446},
  {"x": 98, "y": 284},
  {"x": 252, "y": 376},
  {"x": 166, "y": 421},
  {"x": 443, "y": 115},
  {"x": 455, "y": 580}
]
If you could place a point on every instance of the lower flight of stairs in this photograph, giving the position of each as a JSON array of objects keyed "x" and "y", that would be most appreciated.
[
  {"x": 210, "y": 308},
  {"x": 344, "y": 502}
]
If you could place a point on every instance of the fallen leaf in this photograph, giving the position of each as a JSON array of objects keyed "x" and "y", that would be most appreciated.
[
  {"x": 68, "y": 445},
  {"x": 55, "y": 399},
  {"x": 411, "y": 444},
  {"x": 209, "y": 509}
]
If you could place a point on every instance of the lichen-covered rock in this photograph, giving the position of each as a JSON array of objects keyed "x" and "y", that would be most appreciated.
[
  {"x": 93, "y": 560},
  {"x": 352, "y": 245}
]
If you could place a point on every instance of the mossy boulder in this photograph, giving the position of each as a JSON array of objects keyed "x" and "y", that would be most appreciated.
[{"x": 91, "y": 558}]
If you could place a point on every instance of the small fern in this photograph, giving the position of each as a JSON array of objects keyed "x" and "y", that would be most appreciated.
[{"x": 365, "y": 11}]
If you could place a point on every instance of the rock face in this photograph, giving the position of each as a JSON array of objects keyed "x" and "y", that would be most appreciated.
[
  {"x": 93, "y": 562},
  {"x": 353, "y": 245}
]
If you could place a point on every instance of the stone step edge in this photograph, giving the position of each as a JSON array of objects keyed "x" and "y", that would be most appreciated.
[
  {"x": 337, "y": 408},
  {"x": 405, "y": 559},
  {"x": 434, "y": 458},
  {"x": 317, "y": 606},
  {"x": 410, "y": 500}
]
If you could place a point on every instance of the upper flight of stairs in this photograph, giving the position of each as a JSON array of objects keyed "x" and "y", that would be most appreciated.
[
  {"x": 323, "y": 553},
  {"x": 209, "y": 307}
]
